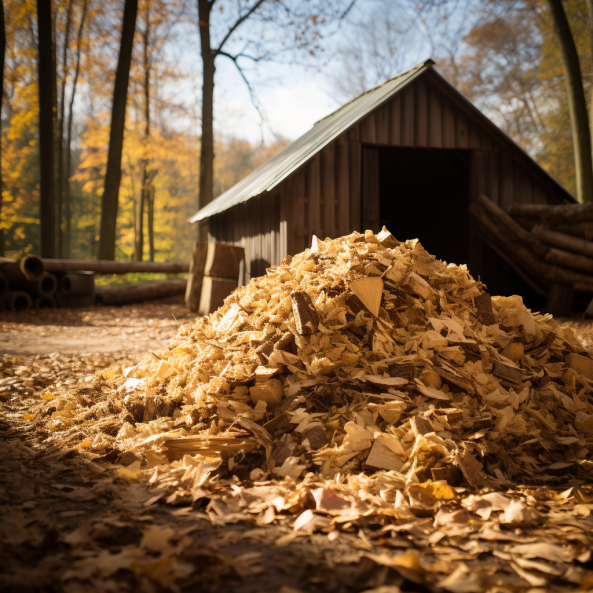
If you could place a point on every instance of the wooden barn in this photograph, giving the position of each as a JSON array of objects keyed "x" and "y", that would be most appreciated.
[{"x": 411, "y": 154}]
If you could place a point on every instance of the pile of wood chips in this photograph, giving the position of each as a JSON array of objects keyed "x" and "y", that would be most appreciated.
[{"x": 364, "y": 361}]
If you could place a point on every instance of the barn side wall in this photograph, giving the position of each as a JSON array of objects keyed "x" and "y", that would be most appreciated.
[{"x": 255, "y": 226}]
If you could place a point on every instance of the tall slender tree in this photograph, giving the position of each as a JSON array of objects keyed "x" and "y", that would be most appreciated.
[
  {"x": 2, "y": 54},
  {"x": 144, "y": 195},
  {"x": 577, "y": 104},
  {"x": 61, "y": 189},
  {"x": 47, "y": 185},
  {"x": 110, "y": 197},
  {"x": 68, "y": 144}
]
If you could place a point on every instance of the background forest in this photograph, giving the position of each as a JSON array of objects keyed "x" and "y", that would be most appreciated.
[{"x": 501, "y": 54}]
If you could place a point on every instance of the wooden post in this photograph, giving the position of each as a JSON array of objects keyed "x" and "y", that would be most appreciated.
[
  {"x": 214, "y": 273},
  {"x": 196, "y": 276}
]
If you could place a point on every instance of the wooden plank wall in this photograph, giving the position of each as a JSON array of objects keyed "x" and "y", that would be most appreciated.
[
  {"x": 256, "y": 226},
  {"x": 325, "y": 196}
]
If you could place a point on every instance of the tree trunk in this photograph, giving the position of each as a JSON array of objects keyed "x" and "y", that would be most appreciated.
[
  {"x": 116, "y": 136},
  {"x": 68, "y": 164},
  {"x": 139, "y": 230},
  {"x": 207, "y": 141},
  {"x": 2, "y": 54},
  {"x": 47, "y": 185},
  {"x": 139, "y": 246},
  {"x": 150, "y": 198},
  {"x": 581, "y": 135},
  {"x": 137, "y": 293},
  {"x": 590, "y": 13},
  {"x": 62, "y": 102}
]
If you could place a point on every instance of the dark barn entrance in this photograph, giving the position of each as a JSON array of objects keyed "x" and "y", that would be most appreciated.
[{"x": 424, "y": 194}]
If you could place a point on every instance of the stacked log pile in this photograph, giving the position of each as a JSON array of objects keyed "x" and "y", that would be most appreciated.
[
  {"x": 547, "y": 245},
  {"x": 32, "y": 282},
  {"x": 25, "y": 284}
]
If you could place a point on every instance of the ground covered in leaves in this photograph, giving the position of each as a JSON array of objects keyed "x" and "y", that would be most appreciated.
[{"x": 72, "y": 523}]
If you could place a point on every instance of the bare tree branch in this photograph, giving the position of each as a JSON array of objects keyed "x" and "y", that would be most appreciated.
[{"x": 238, "y": 24}]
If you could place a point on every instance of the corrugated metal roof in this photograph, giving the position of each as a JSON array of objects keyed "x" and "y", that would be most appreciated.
[{"x": 288, "y": 160}]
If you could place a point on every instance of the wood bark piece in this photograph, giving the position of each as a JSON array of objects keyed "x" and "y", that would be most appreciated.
[
  {"x": 507, "y": 373},
  {"x": 305, "y": 314},
  {"x": 420, "y": 425},
  {"x": 447, "y": 473},
  {"x": 370, "y": 293},
  {"x": 563, "y": 241},
  {"x": 116, "y": 267},
  {"x": 483, "y": 304},
  {"x": 214, "y": 291},
  {"x": 137, "y": 293},
  {"x": 317, "y": 438}
]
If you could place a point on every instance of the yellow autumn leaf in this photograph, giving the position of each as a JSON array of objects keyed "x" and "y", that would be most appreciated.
[
  {"x": 438, "y": 490},
  {"x": 29, "y": 416},
  {"x": 84, "y": 445},
  {"x": 48, "y": 396}
]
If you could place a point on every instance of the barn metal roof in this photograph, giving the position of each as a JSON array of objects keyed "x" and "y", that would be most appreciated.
[{"x": 288, "y": 160}]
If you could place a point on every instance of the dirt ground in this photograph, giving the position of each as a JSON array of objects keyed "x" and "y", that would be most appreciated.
[
  {"x": 130, "y": 330},
  {"x": 70, "y": 524},
  {"x": 57, "y": 510}
]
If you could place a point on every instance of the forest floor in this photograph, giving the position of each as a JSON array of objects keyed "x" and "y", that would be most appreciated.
[{"x": 68, "y": 523}]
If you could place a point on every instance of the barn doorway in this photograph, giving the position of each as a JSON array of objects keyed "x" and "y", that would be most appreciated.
[{"x": 424, "y": 194}]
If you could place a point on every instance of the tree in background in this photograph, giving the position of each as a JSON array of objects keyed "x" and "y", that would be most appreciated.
[
  {"x": 47, "y": 179},
  {"x": 577, "y": 104},
  {"x": 67, "y": 172},
  {"x": 107, "y": 233},
  {"x": 276, "y": 27},
  {"x": 2, "y": 54}
]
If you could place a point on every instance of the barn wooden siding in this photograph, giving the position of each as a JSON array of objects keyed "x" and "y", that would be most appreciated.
[{"x": 326, "y": 197}]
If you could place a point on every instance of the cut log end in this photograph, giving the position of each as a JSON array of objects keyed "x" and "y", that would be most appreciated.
[{"x": 305, "y": 314}]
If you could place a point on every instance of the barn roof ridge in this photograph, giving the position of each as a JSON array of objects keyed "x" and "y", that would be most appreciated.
[
  {"x": 291, "y": 158},
  {"x": 427, "y": 63}
]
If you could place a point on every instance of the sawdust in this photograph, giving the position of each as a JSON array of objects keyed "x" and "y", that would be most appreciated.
[{"x": 361, "y": 386}]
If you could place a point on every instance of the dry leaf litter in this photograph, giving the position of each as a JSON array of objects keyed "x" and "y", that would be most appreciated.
[{"x": 363, "y": 383}]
